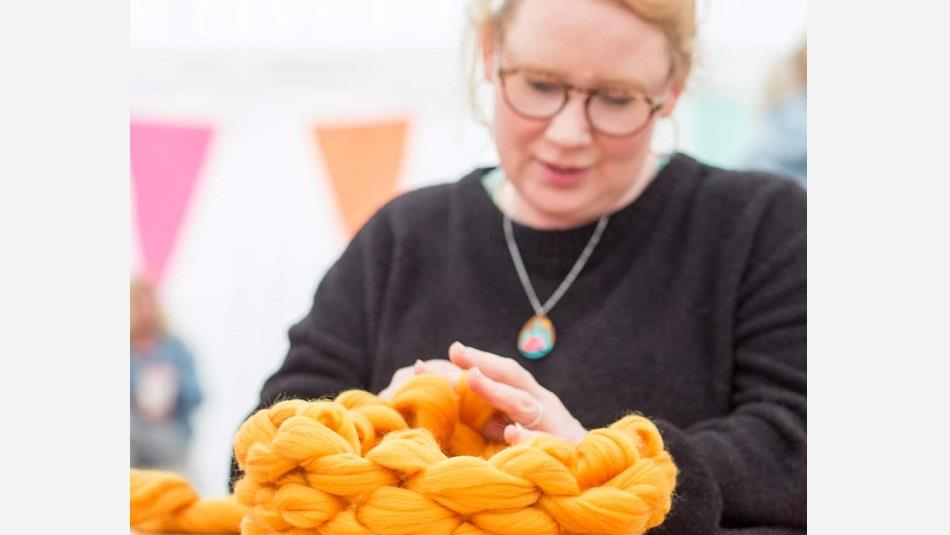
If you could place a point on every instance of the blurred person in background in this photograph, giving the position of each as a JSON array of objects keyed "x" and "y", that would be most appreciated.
[
  {"x": 780, "y": 145},
  {"x": 164, "y": 386},
  {"x": 677, "y": 289}
]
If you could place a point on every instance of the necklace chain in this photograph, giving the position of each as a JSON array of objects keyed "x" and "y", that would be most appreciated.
[{"x": 568, "y": 280}]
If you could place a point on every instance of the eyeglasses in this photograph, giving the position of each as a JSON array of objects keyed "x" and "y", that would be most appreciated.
[{"x": 611, "y": 112}]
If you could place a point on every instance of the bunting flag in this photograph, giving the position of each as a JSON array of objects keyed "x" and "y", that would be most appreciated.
[
  {"x": 166, "y": 161},
  {"x": 364, "y": 163}
]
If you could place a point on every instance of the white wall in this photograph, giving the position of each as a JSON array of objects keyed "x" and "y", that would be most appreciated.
[{"x": 262, "y": 226}]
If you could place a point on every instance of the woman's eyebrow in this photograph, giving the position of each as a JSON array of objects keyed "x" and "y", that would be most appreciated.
[
  {"x": 624, "y": 83},
  {"x": 611, "y": 83},
  {"x": 534, "y": 69}
]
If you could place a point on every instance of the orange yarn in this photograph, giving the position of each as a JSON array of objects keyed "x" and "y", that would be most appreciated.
[
  {"x": 362, "y": 466},
  {"x": 162, "y": 501}
]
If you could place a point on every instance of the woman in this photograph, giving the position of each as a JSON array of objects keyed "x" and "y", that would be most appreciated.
[
  {"x": 164, "y": 386},
  {"x": 586, "y": 276}
]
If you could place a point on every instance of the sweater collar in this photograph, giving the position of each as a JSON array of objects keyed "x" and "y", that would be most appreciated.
[{"x": 628, "y": 223}]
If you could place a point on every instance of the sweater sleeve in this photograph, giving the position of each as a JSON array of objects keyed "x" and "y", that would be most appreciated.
[
  {"x": 749, "y": 468},
  {"x": 329, "y": 347}
]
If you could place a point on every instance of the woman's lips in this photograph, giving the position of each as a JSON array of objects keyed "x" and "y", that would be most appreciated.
[{"x": 562, "y": 176}]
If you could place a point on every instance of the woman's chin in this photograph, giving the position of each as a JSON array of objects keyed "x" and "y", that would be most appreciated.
[{"x": 561, "y": 211}]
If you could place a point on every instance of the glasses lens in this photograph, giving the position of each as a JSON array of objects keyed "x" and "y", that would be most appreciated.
[
  {"x": 533, "y": 95},
  {"x": 618, "y": 114}
]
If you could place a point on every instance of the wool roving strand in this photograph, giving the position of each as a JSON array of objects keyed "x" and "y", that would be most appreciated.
[
  {"x": 165, "y": 502},
  {"x": 416, "y": 464}
]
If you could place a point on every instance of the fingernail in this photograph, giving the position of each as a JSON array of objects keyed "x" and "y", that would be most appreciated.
[{"x": 457, "y": 345}]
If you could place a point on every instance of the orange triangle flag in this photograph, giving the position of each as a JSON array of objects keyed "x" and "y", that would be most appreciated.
[{"x": 364, "y": 163}]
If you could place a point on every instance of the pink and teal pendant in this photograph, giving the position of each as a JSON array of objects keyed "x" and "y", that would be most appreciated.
[{"x": 537, "y": 337}]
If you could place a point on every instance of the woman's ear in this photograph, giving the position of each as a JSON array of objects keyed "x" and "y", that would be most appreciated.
[
  {"x": 673, "y": 96},
  {"x": 488, "y": 54}
]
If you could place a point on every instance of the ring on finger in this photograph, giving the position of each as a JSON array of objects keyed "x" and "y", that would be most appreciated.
[{"x": 537, "y": 419}]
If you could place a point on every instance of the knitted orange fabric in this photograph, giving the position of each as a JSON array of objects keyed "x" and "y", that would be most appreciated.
[{"x": 362, "y": 466}]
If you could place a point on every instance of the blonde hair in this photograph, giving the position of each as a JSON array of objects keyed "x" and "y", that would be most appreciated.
[
  {"x": 675, "y": 18},
  {"x": 361, "y": 465}
]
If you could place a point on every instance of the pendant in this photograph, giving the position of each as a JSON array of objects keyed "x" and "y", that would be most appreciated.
[{"x": 537, "y": 337}]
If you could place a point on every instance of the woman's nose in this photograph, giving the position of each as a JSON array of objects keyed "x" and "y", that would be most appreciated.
[{"x": 570, "y": 128}]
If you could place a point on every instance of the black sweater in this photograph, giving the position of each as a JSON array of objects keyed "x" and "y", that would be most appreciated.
[{"x": 691, "y": 311}]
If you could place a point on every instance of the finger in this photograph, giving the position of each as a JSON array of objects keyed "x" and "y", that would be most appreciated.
[
  {"x": 495, "y": 428},
  {"x": 402, "y": 374},
  {"x": 498, "y": 368},
  {"x": 516, "y": 434},
  {"x": 440, "y": 367},
  {"x": 399, "y": 377},
  {"x": 519, "y": 405}
]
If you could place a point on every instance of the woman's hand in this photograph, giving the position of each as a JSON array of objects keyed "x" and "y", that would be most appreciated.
[
  {"x": 506, "y": 385},
  {"x": 446, "y": 369},
  {"x": 527, "y": 407}
]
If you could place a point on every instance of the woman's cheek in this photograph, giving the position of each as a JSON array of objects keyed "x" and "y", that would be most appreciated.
[
  {"x": 624, "y": 157},
  {"x": 514, "y": 138}
]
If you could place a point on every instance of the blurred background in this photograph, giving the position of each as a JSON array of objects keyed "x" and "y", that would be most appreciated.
[{"x": 263, "y": 134}]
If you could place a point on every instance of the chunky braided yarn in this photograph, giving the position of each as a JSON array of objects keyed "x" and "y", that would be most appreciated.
[
  {"x": 359, "y": 466},
  {"x": 163, "y": 501}
]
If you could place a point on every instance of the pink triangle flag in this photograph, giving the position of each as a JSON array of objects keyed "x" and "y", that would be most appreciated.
[{"x": 166, "y": 161}]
